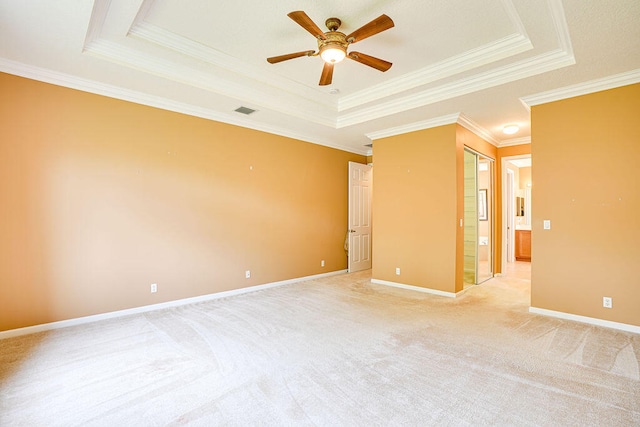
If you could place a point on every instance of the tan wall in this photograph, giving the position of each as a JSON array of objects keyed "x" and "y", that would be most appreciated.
[
  {"x": 586, "y": 153},
  {"x": 514, "y": 150},
  {"x": 415, "y": 208},
  {"x": 473, "y": 141},
  {"x": 524, "y": 177},
  {"x": 99, "y": 198}
]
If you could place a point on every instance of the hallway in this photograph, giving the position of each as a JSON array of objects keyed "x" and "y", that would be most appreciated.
[{"x": 518, "y": 270}]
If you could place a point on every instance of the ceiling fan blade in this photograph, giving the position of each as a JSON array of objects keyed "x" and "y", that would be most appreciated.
[
  {"x": 305, "y": 22},
  {"x": 378, "y": 25},
  {"x": 276, "y": 59},
  {"x": 378, "y": 64},
  {"x": 327, "y": 74}
]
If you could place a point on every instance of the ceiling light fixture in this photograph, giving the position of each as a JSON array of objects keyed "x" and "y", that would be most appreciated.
[
  {"x": 332, "y": 54},
  {"x": 510, "y": 129}
]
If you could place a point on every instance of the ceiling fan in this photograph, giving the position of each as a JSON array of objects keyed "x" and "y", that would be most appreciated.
[{"x": 332, "y": 45}]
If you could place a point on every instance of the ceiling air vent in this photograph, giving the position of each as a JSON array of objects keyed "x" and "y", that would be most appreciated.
[{"x": 244, "y": 110}]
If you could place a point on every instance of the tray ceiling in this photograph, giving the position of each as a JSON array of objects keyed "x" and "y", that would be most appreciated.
[{"x": 469, "y": 62}]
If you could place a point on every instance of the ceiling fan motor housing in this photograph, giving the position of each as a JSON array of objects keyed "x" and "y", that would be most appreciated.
[
  {"x": 335, "y": 40},
  {"x": 333, "y": 24}
]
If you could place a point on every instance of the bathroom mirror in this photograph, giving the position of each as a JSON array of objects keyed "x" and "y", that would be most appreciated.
[{"x": 519, "y": 206}]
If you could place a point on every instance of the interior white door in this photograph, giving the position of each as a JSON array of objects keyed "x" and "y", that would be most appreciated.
[{"x": 360, "y": 186}]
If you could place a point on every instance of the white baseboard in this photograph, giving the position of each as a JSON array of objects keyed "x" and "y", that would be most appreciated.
[
  {"x": 146, "y": 308},
  {"x": 415, "y": 288},
  {"x": 584, "y": 319}
]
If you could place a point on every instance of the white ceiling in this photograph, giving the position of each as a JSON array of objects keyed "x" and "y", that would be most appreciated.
[
  {"x": 521, "y": 163},
  {"x": 455, "y": 60}
]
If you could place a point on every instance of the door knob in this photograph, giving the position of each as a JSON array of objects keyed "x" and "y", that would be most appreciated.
[{"x": 352, "y": 231}]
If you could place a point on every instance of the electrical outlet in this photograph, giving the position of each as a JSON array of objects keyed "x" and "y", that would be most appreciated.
[
  {"x": 322, "y": 263},
  {"x": 154, "y": 288},
  {"x": 607, "y": 302},
  {"x": 247, "y": 274},
  {"x": 397, "y": 271}
]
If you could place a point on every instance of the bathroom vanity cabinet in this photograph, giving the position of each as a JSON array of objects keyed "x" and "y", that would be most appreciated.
[{"x": 523, "y": 245}]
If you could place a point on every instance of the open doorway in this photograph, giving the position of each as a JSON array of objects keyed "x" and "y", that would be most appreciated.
[{"x": 516, "y": 213}]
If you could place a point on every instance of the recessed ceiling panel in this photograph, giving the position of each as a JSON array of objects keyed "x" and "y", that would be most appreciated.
[{"x": 425, "y": 33}]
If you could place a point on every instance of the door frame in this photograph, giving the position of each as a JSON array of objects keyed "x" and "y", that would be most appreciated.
[
  {"x": 491, "y": 206},
  {"x": 506, "y": 220}
]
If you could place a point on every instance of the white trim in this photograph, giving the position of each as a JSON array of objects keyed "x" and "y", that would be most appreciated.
[
  {"x": 610, "y": 82},
  {"x": 559, "y": 20},
  {"x": 415, "y": 288},
  {"x": 515, "y": 141},
  {"x": 469, "y": 124},
  {"x": 96, "y": 22},
  {"x": 210, "y": 82},
  {"x": 584, "y": 319},
  {"x": 458, "y": 118},
  {"x": 505, "y": 47},
  {"x": 500, "y": 49},
  {"x": 193, "y": 49},
  {"x": 146, "y": 308},
  {"x": 140, "y": 29},
  {"x": 505, "y": 202},
  {"x": 549, "y": 61},
  {"x": 412, "y": 127}
]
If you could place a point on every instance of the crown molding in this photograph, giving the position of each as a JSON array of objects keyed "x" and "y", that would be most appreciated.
[
  {"x": 96, "y": 22},
  {"x": 458, "y": 118},
  {"x": 560, "y": 24},
  {"x": 328, "y": 113},
  {"x": 412, "y": 127},
  {"x": 176, "y": 43},
  {"x": 322, "y": 113},
  {"x": 610, "y": 82},
  {"x": 469, "y": 124},
  {"x": 515, "y": 141},
  {"x": 505, "y": 47},
  {"x": 492, "y": 52},
  {"x": 131, "y": 58},
  {"x": 552, "y": 60},
  {"x": 512, "y": 72},
  {"x": 103, "y": 89}
]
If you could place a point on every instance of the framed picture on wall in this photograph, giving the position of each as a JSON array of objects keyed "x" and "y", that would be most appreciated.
[{"x": 482, "y": 204}]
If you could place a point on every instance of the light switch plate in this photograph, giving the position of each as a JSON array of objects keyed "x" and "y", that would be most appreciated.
[{"x": 546, "y": 224}]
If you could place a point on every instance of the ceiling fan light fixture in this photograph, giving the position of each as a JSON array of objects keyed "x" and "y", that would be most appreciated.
[
  {"x": 332, "y": 53},
  {"x": 333, "y": 45}
]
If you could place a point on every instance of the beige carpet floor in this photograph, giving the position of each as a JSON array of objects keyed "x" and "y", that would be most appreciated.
[{"x": 333, "y": 351}]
